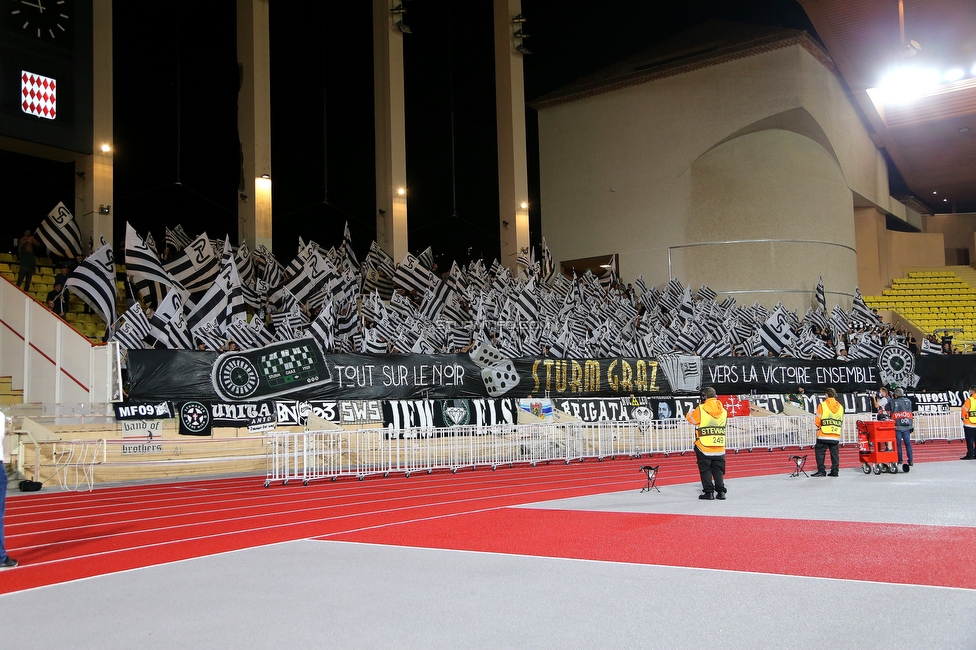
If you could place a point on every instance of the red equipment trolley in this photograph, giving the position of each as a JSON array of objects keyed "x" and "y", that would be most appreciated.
[{"x": 877, "y": 447}]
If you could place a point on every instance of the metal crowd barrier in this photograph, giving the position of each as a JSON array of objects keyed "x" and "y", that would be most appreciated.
[
  {"x": 938, "y": 426},
  {"x": 75, "y": 462},
  {"x": 316, "y": 455}
]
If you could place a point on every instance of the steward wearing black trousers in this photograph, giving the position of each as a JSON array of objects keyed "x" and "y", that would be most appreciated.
[
  {"x": 709, "y": 419},
  {"x": 829, "y": 421},
  {"x": 969, "y": 424}
]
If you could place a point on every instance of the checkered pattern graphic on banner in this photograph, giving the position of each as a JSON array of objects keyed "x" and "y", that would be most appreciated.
[{"x": 38, "y": 95}]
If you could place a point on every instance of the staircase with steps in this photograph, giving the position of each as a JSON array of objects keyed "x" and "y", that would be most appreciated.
[
  {"x": 8, "y": 395},
  {"x": 88, "y": 325}
]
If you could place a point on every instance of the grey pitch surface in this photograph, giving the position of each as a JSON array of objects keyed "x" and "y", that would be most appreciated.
[
  {"x": 331, "y": 594},
  {"x": 938, "y": 494}
]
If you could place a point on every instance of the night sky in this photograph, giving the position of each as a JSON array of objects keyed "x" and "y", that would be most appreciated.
[{"x": 176, "y": 146}]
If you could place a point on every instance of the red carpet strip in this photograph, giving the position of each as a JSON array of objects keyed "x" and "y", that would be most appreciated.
[{"x": 61, "y": 536}]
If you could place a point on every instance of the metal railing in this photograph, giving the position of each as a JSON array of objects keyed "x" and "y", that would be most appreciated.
[
  {"x": 316, "y": 455},
  {"x": 75, "y": 462}
]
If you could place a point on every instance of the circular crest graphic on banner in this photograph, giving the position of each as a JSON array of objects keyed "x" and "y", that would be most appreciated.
[
  {"x": 236, "y": 377},
  {"x": 195, "y": 417},
  {"x": 897, "y": 365}
]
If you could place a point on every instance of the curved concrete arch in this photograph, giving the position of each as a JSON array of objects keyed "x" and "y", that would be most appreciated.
[
  {"x": 796, "y": 120},
  {"x": 769, "y": 211}
]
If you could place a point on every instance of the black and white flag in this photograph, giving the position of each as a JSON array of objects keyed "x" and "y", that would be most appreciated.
[
  {"x": 133, "y": 329},
  {"x": 141, "y": 262},
  {"x": 169, "y": 322},
  {"x": 210, "y": 336},
  {"x": 137, "y": 319},
  {"x": 347, "y": 246},
  {"x": 322, "y": 330},
  {"x": 195, "y": 267},
  {"x": 860, "y": 313},
  {"x": 245, "y": 265},
  {"x": 821, "y": 296},
  {"x": 865, "y": 348},
  {"x": 210, "y": 308},
  {"x": 426, "y": 258},
  {"x": 177, "y": 239},
  {"x": 94, "y": 282},
  {"x": 775, "y": 332},
  {"x": 412, "y": 276},
  {"x": 315, "y": 273},
  {"x": 705, "y": 293},
  {"x": 59, "y": 232}
]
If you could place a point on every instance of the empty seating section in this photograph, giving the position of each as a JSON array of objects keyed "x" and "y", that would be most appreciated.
[
  {"x": 89, "y": 325},
  {"x": 932, "y": 300}
]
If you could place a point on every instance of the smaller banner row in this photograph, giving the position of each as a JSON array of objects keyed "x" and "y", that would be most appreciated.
[{"x": 199, "y": 418}]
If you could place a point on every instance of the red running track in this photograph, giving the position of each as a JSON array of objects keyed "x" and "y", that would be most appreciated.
[{"x": 66, "y": 536}]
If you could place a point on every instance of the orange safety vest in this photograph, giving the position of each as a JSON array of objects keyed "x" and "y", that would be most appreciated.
[
  {"x": 831, "y": 422},
  {"x": 710, "y": 433},
  {"x": 969, "y": 412}
]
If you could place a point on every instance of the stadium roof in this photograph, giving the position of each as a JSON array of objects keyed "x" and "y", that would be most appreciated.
[
  {"x": 709, "y": 44},
  {"x": 929, "y": 131}
]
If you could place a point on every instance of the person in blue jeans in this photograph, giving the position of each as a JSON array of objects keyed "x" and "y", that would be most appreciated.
[
  {"x": 901, "y": 413},
  {"x": 6, "y": 562}
]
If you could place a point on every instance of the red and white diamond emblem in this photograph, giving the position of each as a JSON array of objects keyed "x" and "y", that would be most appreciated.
[{"x": 38, "y": 95}]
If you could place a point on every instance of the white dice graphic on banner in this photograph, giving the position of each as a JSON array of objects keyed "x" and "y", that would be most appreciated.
[
  {"x": 485, "y": 355},
  {"x": 501, "y": 378}
]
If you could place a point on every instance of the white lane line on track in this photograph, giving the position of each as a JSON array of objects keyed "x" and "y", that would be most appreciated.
[
  {"x": 247, "y": 530},
  {"x": 339, "y": 500},
  {"x": 111, "y": 497},
  {"x": 362, "y": 499},
  {"x": 486, "y": 481},
  {"x": 86, "y": 509}
]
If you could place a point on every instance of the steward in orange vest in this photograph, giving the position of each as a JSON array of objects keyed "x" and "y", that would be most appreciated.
[
  {"x": 969, "y": 424},
  {"x": 830, "y": 422},
  {"x": 709, "y": 419}
]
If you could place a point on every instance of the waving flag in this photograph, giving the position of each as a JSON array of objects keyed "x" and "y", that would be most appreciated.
[
  {"x": 94, "y": 282},
  {"x": 177, "y": 239},
  {"x": 412, "y": 276},
  {"x": 775, "y": 332},
  {"x": 141, "y": 262},
  {"x": 195, "y": 267},
  {"x": 59, "y": 232}
]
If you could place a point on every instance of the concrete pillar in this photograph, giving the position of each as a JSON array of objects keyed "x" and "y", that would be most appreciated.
[
  {"x": 94, "y": 182},
  {"x": 513, "y": 185},
  {"x": 871, "y": 237},
  {"x": 254, "y": 122},
  {"x": 391, "y": 149}
]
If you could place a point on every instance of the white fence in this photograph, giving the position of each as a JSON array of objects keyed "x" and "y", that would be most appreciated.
[
  {"x": 49, "y": 359},
  {"x": 316, "y": 455}
]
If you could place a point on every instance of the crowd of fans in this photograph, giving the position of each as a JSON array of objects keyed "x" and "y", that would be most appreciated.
[{"x": 647, "y": 325}]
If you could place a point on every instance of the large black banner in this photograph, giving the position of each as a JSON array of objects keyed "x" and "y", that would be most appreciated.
[
  {"x": 292, "y": 369},
  {"x": 297, "y": 371}
]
